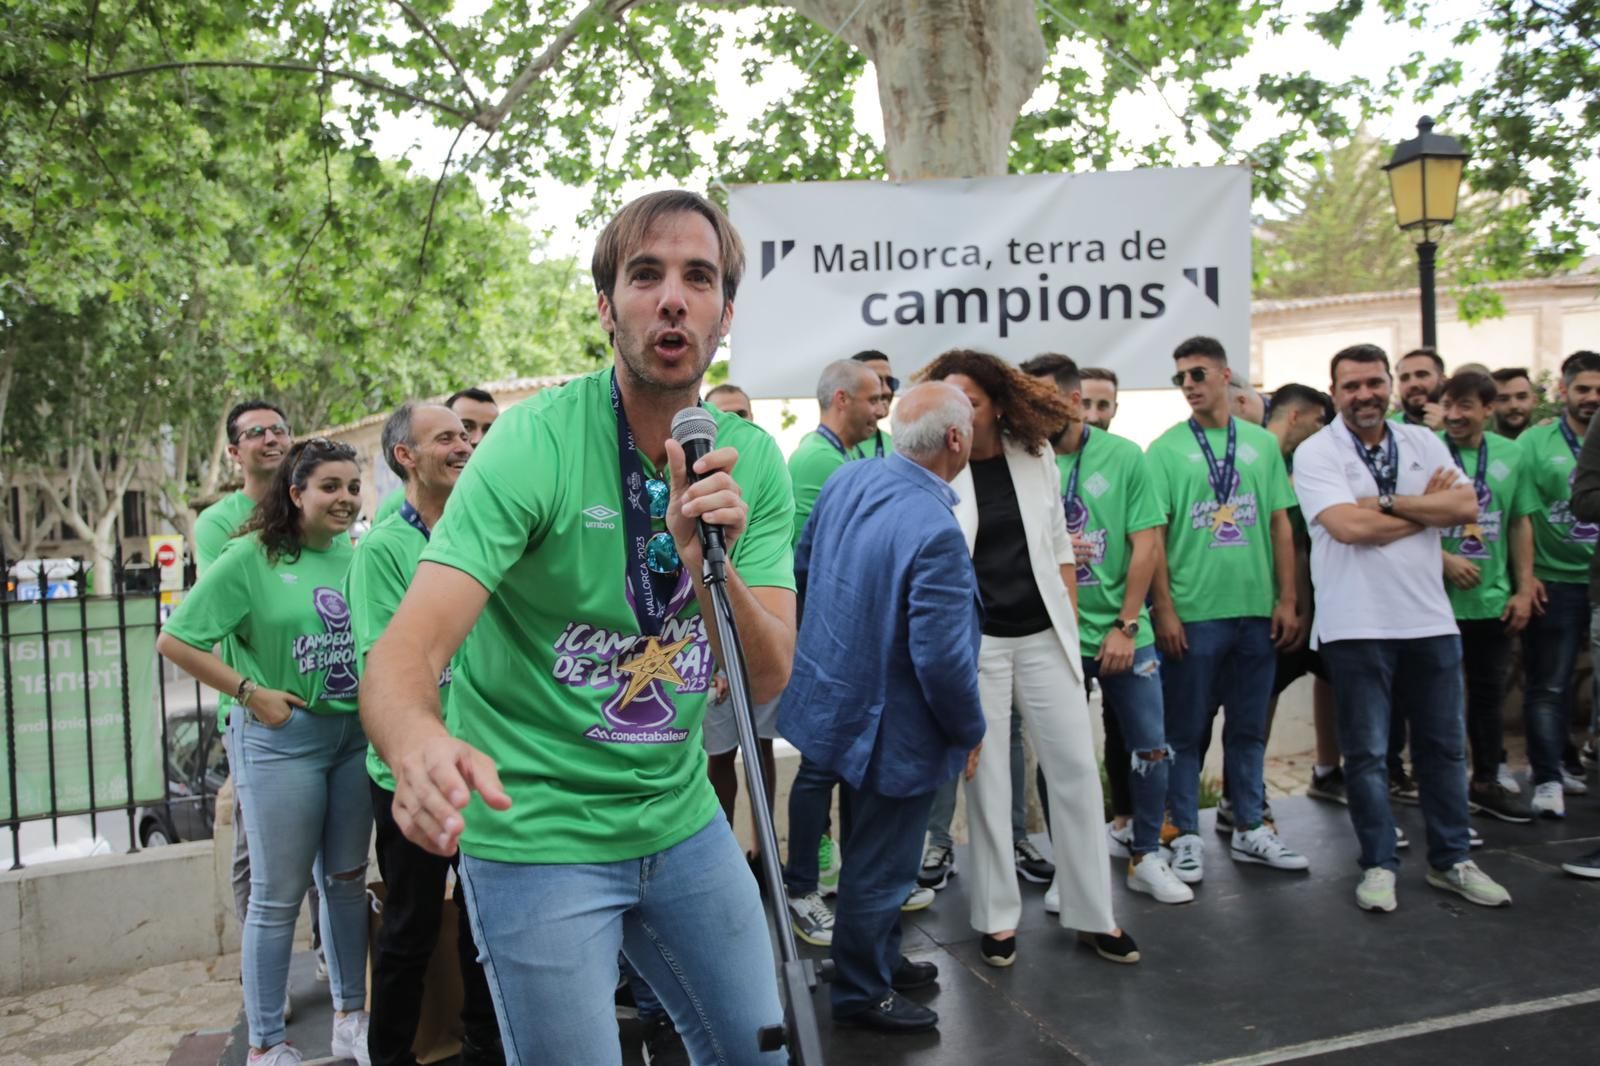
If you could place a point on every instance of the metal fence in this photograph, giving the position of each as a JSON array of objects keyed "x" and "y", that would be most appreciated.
[{"x": 88, "y": 733}]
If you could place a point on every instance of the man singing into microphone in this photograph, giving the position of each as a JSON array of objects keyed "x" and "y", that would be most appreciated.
[{"x": 568, "y": 571}]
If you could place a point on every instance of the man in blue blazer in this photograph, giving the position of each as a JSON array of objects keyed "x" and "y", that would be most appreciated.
[{"x": 884, "y": 691}]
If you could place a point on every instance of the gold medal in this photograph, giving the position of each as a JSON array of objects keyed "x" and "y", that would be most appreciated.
[{"x": 652, "y": 664}]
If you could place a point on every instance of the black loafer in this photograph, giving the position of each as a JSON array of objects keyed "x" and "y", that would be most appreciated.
[
  {"x": 998, "y": 952},
  {"x": 909, "y": 975},
  {"x": 894, "y": 1014},
  {"x": 1119, "y": 948}
]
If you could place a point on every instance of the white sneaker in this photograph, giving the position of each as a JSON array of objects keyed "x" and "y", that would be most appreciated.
[
  {"x": 1572, "y": 784},
  {"x": 1154, "y": 877},
  {"x": 276, "y": 1055},
  {"x": 812, "y": 919},
  {"x": 1508, "y": 780},
  {"x": 1262, "y": 845},
  {"x": 1470, "y": 883},
  {"x": 919, "y": 900},
  {"x": 1549, "y": 800},
  {"x": 1376, "y": 890},
  {"x": 1052, "y": 899},
  {"x": 1121, "y": 839},
  {"x": 350, "y": 1037},
  {"x": 1189, "y": 858}
]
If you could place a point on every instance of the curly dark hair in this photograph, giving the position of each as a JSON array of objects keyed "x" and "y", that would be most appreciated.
[
  {"x": 276, "y": 518},
  {"x": 1031, "y": 411}
]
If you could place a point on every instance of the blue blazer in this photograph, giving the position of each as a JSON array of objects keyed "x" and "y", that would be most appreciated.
[{"x": 884, "y": 690}]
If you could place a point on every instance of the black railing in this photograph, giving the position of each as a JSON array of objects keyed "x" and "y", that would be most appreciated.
[{"x": 73, "y": 661}]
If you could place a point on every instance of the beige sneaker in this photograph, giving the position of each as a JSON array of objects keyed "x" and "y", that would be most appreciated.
[{"x": 1471, "y": 884}]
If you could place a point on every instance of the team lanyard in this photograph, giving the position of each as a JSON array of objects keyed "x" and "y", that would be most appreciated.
[
  {"x": 1071, "y": 495},
  {"x": 649, "y": 605},
  {"x": 414, "y": 518},
  {"x": 1480, "y": 480},
  {"x": 1391, "y": 457}
]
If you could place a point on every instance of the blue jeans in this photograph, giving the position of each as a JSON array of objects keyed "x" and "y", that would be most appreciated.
[
  {"x": 944, "y": 800},
  {"x": 1231, "y": 662},
  {"x": 810, "y": 798},
  {"x": 1134, "y": 697},
  {"x": 1549, "y": 650},
  {"x": 689, "y": 919},
  {"x": 308, "y": 813},
  {"x": 1421, "y": 678},
  {"x": 885, "y": 853}
]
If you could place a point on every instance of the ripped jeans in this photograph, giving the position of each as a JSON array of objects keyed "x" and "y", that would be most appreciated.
[
  {"x": 308, "y": 812},
  {"x": 1134, "y": 697}
]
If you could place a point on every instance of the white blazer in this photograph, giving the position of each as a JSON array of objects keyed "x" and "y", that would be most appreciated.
[{"x": 1037, "y": 481}]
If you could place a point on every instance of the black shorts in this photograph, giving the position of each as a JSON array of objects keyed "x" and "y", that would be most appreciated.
[{"x": 1294, "y": 665}]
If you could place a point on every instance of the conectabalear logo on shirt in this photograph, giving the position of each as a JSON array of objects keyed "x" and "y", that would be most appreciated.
[{"x": 640, "y": 707}]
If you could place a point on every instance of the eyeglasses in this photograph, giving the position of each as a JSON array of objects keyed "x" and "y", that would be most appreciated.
[
  {"x": 891, "y": 383},
  {"x": 660, "y": 551},
  {"x": 257, "y": 432},
  {"x": 1195, "y": 374}
]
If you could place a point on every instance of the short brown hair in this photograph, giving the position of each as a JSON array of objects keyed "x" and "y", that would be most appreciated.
[
  {"x": 627, "y": 229},
  {"x": 1465, "y": 384}
]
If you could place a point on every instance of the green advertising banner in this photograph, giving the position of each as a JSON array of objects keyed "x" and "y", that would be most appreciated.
[{"x": 64, "y": 667}]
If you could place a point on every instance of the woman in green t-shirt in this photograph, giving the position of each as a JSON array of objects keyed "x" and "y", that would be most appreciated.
[{"x": 301, "y": 754}]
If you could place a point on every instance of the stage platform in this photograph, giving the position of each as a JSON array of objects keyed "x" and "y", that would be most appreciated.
[{"x": 1263, "y": 967}]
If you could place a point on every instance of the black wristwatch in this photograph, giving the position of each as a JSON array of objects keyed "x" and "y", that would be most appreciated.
[
  {"x": 1386, "y": 503},
  {"x": 1127, "y": 629}
]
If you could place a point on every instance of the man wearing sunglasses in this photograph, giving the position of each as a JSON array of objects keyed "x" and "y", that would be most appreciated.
[
  {"x": 1222, "y": 484},
  {"x": 568, "y": 571},
  {"x": 881, "y": 443},
  {"x": 258, "y": 439}
]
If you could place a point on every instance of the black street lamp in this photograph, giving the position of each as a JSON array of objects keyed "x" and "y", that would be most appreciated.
[{"x": 1424, "y": 179}]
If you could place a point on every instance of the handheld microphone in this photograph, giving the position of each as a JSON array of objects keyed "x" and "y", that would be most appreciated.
[{"x": 696, "y": 430}]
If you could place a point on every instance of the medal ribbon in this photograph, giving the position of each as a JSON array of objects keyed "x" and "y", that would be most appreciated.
[
  {"x": 1071, "y": 495},
  {"x": 414, "y": 519},
  {"x": 1220, "y": 474},
  {"x": 833, "y": 438},
  {"x": 649, "y": 605},
  {"x": 1572, "y": 438},
  {"x": 1391, "y": 456},
  {"x": 1480, "y": 480}
]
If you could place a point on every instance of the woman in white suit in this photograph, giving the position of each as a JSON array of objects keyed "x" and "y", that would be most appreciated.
[{"x": 1011, "y": 513}]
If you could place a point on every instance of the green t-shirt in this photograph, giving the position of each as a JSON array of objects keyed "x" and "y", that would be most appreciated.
[
  {"x": 536, "y": 520},
  {"x": 389, "y": 505},
  {"x": 868, "y": 449},
  {"x": 289, "y": 624},
  {"x": 379, "y": 575},
  {"x": 1219, "y": 568},
  {"x": 216, "y": 525},
  {"x": 1486, "y": 546},
  {"x": 812, "y": 463},
  {"x": 1114, "y": 501},
  {"x": 1562, "y": 545}
]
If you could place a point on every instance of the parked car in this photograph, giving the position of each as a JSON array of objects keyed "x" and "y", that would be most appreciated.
[{"x": 197, "y": 766}]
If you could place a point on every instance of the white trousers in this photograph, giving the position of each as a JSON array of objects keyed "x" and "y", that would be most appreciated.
[{"x": 1033, "y": 675}]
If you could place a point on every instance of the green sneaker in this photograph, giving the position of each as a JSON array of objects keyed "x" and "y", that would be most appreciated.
[
  {"x": 1376, "y": 890},
  {"x": 1471, "y": 884},
  {"x": 827, "y": 867}
]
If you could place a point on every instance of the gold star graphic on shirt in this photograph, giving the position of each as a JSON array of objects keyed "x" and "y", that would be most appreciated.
[
  {"x": 1222, "y": 517},
  {"x": 1473, "y": 530},
  {"x": 652, "y": 664}
]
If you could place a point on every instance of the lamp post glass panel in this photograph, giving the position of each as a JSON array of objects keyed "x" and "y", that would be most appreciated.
[{"x": 1424, "y": 179}]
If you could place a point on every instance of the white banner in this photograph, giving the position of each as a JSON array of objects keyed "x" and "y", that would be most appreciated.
[{"x": 1113, "y": 269}]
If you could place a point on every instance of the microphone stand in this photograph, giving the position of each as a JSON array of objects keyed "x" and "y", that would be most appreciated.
[{"x": 796, "y": 976}]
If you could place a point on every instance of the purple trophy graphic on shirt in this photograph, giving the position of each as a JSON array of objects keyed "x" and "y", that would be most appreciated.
[
  {"x": 1224, "y": 527},
  {"x": 1077, "y": 521},
  {"x": 1472, "y": 543},
  {"x": 1587, "y": 532},
  {"x": 651, "y": 708},
  {"x": 335, "y": 615}
]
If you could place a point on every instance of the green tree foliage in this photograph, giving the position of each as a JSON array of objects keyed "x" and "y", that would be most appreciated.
[{"x": 1339, "y": 234}]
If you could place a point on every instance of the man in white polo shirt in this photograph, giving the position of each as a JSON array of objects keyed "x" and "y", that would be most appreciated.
[{"x": 1376, "y": 494}]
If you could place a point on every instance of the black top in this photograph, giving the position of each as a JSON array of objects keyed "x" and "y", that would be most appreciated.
[{"x": 1012, "y": 606}]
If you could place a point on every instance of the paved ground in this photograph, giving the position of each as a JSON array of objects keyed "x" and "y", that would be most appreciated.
[{"x": 1347, "y": 977}]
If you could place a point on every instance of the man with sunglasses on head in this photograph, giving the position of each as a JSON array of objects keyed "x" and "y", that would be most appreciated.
[
  {"x": 1228, "y": 554},
  {"x": 881, "y": 443},
  {"x": 568, "y": 571}
]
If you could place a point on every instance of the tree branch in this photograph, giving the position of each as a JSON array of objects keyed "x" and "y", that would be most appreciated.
[
  {"x": 427, "y": 31},
  {"x": 376, "y": 84},
  {"x": 494, "y": 116}
]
